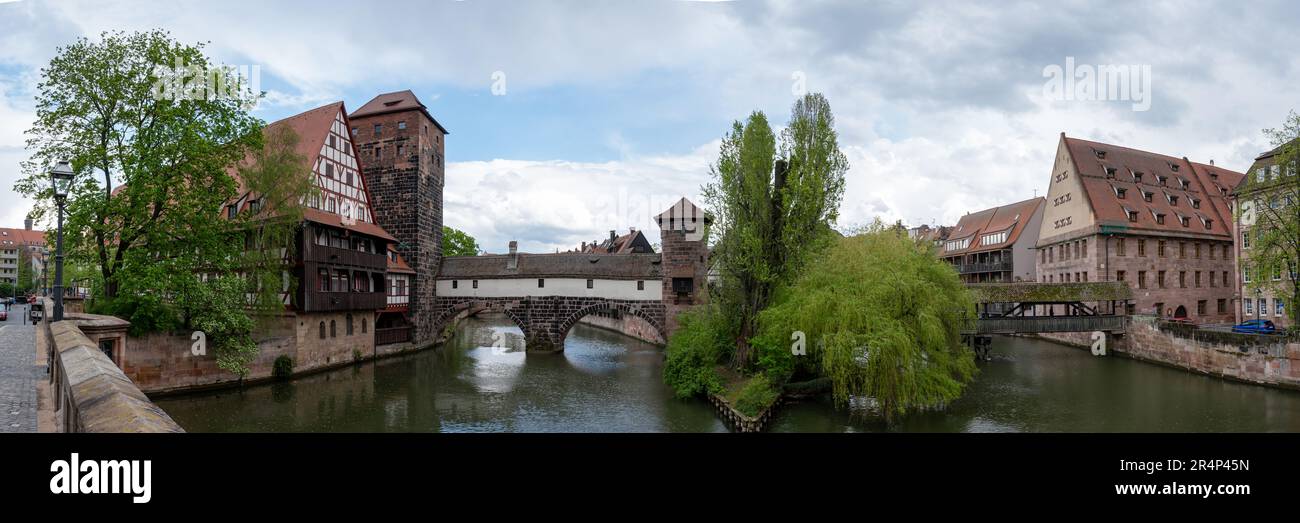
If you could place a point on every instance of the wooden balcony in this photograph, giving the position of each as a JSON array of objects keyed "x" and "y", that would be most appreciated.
[
  {"x": 969, "y": 268},
  {"x": 336, "y": 256},
  {"x": 318, "y": 301}
]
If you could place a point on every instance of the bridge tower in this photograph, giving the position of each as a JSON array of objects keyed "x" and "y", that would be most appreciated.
[
  {"x": 685, "y": 255},
  {"x": 402, "y": 158}
]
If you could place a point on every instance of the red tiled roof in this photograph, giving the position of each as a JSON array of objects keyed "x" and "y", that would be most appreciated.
[
  {"x": 1185, "y": 181},
  {"x": 395, "y": 102},
  {"x": 16, "y": 238},
  {"x": 1011, "y": 218},
  {"x": 312, "y": 128},
  {"x": 396, "y": 263}
]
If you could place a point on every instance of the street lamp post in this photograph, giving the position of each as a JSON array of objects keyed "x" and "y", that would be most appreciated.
[
  {"x": 1258, "y": 304},
  {"x": 61, "y": 181}
]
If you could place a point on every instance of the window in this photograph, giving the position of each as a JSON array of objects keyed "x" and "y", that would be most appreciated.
[
  {"x": 349, "y": 325},
  {"x": 1245, "y": 274},
  {"x": 455, "y": 284},
  {"x": 379, "y": 129},
  {"x": 1197, "y": 250},
  {"x": 323, "y": 279},
  {"x": 1160, "y": 249},
  {"x": 1084, "y": 248},
  {"x": 1119, "y": 192},
  {"x": 1200, "y": 307},
  {"x": 1160, "y": 217},
  {"x": 1182, "y": 249},
  {"x": 1119, "y": 246},
  {"x": 1160, "y": 279},
  {"x": 1173, "y": 200},
  {"x": 591, "y": 284},
  {"x": 363, "y": 325},
  {"x": 1263, "y": 306},
  {"x": 640, "y": 285},
  {"x": 1119, "y": 275},
  {"x": 322, "y": 330},
  {"x": 1182, "y": 279},
  {"x": 1245, "y": 239},
  {"x": 475, "y": 283},
  {"x": 1279, "y": 307},
  {"x": 541, "y": 282},
  {"x": 1142, "y": 247},
  {"x": 354, "y": 131},
  {"x": 401, "y": 125},
  {"x": 1160, "y": 308},
  {"x": 1223, "y": 306},
  {"x": 333, "y": 332},
  {"x": 1250, "y": 305},
  {"x": 399, "y": 150},
  {"x": 1196, "y": 203},
  {"x": 1132, "y": 216},
  {"x": 1142, "y": 279},
  {"x": 1225, "y": 279},
  {"x": 378, "y": 151},
  {"x": 1212, "y": 276},
  {"x": 993, "y": 239}
]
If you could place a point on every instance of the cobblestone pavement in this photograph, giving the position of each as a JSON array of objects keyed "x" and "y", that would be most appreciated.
[{"x": 18, "y": 373}]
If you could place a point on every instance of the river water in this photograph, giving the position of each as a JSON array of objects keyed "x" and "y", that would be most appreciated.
[{"x": 483, "y": 381}]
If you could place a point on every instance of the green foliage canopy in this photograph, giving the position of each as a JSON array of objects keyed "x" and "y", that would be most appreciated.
[
  {"x": 881, "y": 318},
  {"x": 458, "y": 243}
]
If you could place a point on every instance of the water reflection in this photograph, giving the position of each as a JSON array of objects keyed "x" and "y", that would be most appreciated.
[
  {"x": 481, "y": 381},
  {"x": 1038, "y": 386}
]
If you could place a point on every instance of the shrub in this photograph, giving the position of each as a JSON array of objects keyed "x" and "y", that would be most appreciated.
[
  {"x": 757, "y": 395},
  {"x": 694, "y": 352},
  {"x": 282, "y": 368}
]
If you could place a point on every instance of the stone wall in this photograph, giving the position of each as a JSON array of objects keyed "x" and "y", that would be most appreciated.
[
  {"x": 164, "y": 362},
  {"x": 628, "y": 325},
  {"x": 1260, "y": 360},
  {"x": 406, "y": 197},
  {"x": 546, "y": 320},
  {"x": 90, "y": 392}
]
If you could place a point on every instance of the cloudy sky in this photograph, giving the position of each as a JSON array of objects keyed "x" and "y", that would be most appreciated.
[{"x": 613, "y": 110}]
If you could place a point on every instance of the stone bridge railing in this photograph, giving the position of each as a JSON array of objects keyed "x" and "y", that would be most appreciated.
[{"x": 89, "y": 392}]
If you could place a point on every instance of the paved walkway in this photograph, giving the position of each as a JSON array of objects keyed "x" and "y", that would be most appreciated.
[{"x": 19, "y": 373}]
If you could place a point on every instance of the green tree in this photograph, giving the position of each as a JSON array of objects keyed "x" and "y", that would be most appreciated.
[
  {"x": 149, "y": 169},
  {"x": 152, "y": 174},
  {"x": 771, "y": 213},
  {"x": 881, "y": 317},
  {"x": 458, "y": 243},
  {"x": 26, "y": 276},
  {"x": 1269, "y": 205}
]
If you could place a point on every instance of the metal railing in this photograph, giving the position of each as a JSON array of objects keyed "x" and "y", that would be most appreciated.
[{"x": 967, "y": 268}]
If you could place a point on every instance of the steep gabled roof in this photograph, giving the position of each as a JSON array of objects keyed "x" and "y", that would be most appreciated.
[
  {"x": 396, "y": 102},
  {"x": 1011, "y": 218},
  {"x": 1106, "y": 170}
]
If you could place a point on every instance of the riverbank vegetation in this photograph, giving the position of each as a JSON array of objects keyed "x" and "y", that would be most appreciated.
[{"x": 875, "y": 314}]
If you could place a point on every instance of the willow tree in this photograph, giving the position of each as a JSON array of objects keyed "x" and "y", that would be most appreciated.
[
  {"x": 1270, "y": 208},
  {"x": 772, "y": 207},
  {"x": 880, "y": 316}
]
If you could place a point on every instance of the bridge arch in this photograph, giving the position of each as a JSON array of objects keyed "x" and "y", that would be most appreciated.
[
  {"x": 652, "y": 318},
  {"x": 460, "y": 310}
]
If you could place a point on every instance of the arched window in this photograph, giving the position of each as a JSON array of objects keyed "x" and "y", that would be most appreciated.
[
  {"x": 333, "y": 332},
  {"x": 322, "y": 330},
  {"x": 349, "y": 324}
]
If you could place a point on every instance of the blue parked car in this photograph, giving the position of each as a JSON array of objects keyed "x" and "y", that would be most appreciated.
[{"x": 1256, "y": 327}]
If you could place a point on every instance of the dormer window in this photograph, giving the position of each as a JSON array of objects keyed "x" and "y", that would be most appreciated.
[
  {"x": 1132, "y": 215},
  {"x": 1110, "y": 172},
  {"x": 1162, "y": 180},
  {"x": 1101, "y": 155},
  {"x": 1173, "y": 200},
  {"x": 1173, "y": 167},
  {"x": 1196, "y": 204},
  {"x": 1137, "y": 176},
  {"x": 1146, "y": 195},
  {"x": 1119, "y": 192},
  {"x": 1183, "y": 182},
  {"x": 1184, "y": 220},
  {"x": 1160, "y": 217}
]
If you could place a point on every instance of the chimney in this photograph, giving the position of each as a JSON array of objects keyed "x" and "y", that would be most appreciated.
[
  {"x": 584, "y": 247},
  {"x": 513, "y": 262},
  {"x": 612, "y": 236},
  {"x": 27, "y": 224},
  {"x": 1211, "y": 162}
]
